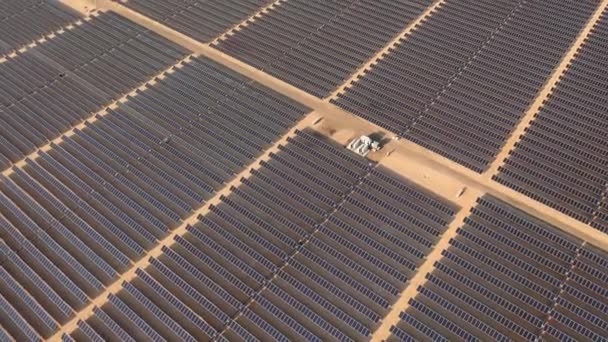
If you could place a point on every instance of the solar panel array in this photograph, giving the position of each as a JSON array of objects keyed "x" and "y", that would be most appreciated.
[
  {"x": 316, "y": 45},
  {"x": 508, "y": 276},
  {"x": 461, "y": 80},
  {"x": 562, "y": 159},
  {"x": 24, "y": 21},
  {"x": 581, "y": 309},
  {"x": 203, "y": 20},
  {"x": 600, "y": 220},
  {"x": 54, "y": 86},
  {"x": 316, "y": 244},
  {"x": 415, "y": 71},
  {"x": 83, "y": 211}
]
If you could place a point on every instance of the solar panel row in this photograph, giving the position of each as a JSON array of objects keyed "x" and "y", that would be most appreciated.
[
  {"x": 56, "y": 85},
  {"x": 507, "y": 72},
  {"x": 78, "y": 215},
  {"x": 11, "y": 320},
  {"x": 580, "y": 312},
  {"x": 290, "y": 254},
  {"x": 317, "y": 243},
  {"x": 13, "y": 7},
  {"x": 24, "y": 21},
  {"x": 508, "y": 276},
  {"x": 600, "y": 220},
  {"x": 395, "y": 90},
  {"x": 85, "y": 332},
  {"x": 203, "y": 20},
  {"x": 562, "y": 159},
  {"x": 461, "y": 98},
  {"x": 317, "y": 45}
]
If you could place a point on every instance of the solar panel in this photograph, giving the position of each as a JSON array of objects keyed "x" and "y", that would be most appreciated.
[
  {"x": 195, "y": 300},
  {"x": 86, "y": 174},
  {"x": 56, "y": 253},
  {"x": 267, "y": 329},
  {"x": 314, "y": 242},
  {"x": 134, "y": 174},
  {"x": 356, "y": 277},
  {"x": 580, "y": 309},
  {"x": 43, "y": 266},
  {"x": 305, "y": 314},
  {"x": 59, "y": 83},
  {"x": 108, "y": 192},
  {"x": 399, "y": 335},
  {"x": 105, "y": 324},
  {"x": 15, "y": 325},
  {"x": 224, "y": 254},
  {"x": 156, "y": 158},
  {"x": 442, "y": 286},
  {"x": 207, "y": 285},
  {"x": 274, "y": 214},
  {"x": 78, "y": 226},
  {"x": 464, "y": 99},
  {"x": 264, "y": 265},
  {"x": 201, "y": 20},
  {"x": 223, "y": 276},
  {"x": 85, "y": 331},
  {"x": 124, "y": 314},
  {"x": 30, "y": 309},
  {"x": 22, "y": 22},
  {"x": 153, "y": 315},
  {"x": 360, "y": 238},
  {"x": 169, "y": 303},
  {"x": 316, "y": 45},
  {"x": 255, "y": 272},
  {"x": 278, "y": 239},
  {"x": 35, "y": 284},
  {"x": 59, "y": 231},
  {"x": 506, "y": 276},
  {"x": 560, "y": 160},
  {"x": 336, "y": 291},
  {"x": 420, "y": 328}
]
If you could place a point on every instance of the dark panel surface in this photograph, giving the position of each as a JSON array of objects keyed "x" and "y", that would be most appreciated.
[
  {"x": 315, "y": 245},
  {"x": 458, "y": 85},
  {"x": 562, "y": 159},
  {"x": 508, "y": 276},
  {"x": 600, "y": 220},
  {"x": 475, "y": 114},
  {"x": 48, "y": 89},
  {"x": 581, "y": 311},
  {"x": 24, "y": 21},
  {"x": 317, "y": 45},
  {"x": 395, "y": 90},
  {"x": 203, "y": 20},
  {"x": 75, "y": 218}
]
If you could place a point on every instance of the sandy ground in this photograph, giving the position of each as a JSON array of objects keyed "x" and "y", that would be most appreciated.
[{"x": 431, "y": 171}]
